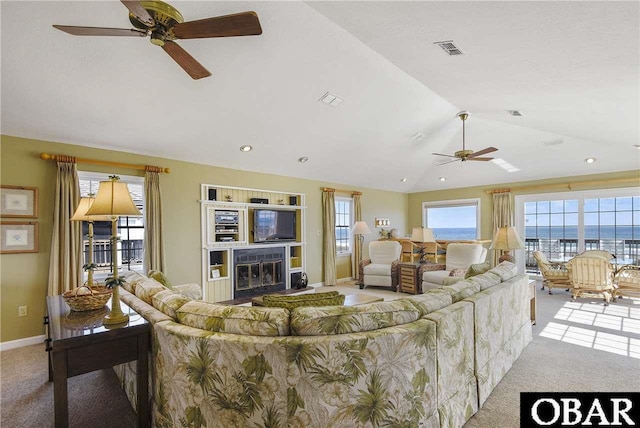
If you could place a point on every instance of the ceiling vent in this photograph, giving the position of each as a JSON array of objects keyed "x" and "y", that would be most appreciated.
[
  {"x": 449, "y": 47},
  {"x": 330, "y": 99},
  {"x": 515, "y": 112},
  {"x": 553, "y": 142}
]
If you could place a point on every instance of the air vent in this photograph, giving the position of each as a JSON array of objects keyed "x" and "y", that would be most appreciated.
[
  {"x": 449, "y": 47},
  {"x": 515, "y": 112},
  {"x": 331, "y": 99},
  {"x": 553, "y": 142}
]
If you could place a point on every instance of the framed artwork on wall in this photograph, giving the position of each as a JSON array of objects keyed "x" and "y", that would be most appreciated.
[
  {"x": 18, "y": 201},
  {"x": 18, "y": 237}
]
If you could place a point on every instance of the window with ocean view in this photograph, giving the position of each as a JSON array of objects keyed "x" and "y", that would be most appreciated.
[
  {"x": 452, "y": 220},
  {"x": 343, "y": 225},
  {"x": 563, "y": 225}
]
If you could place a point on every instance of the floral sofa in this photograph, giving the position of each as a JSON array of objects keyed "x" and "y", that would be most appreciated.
[{"x": 427, "y": 360}]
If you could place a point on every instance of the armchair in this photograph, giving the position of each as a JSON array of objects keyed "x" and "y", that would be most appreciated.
[
  {"x": 555, "y": 275},
  {"x": 380, "y": 269},
  {"x": 459, "y": 257},
  {"x": 591, "y": 275},
  {"x": 627, "y": 281}
]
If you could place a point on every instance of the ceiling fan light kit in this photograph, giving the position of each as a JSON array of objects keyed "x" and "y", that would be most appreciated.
[
  {"x": 464, "y": 154},
  {"x": 163, "y": 24}
]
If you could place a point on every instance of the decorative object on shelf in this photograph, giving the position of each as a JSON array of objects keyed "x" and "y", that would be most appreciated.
[
  {"x": 113, "y": 199},
  {"x": 228, "y": 198},
  {"x": 393, "y": 233},
  {"x": 81, "y": 215},
  {"x": 423, "y": 235},
  {"x": 506, "y": 239},
  {"x": 384, "y": 234},
  {"x": 18, "y": 237},
  {"x": 293, "y": 200},
  {"x": 302, "y": 281},
  {"x": 280, "y": 201},
  {"x": 85, "y": 298},
  {"x": 380, "y": 222},
  {"x": 18, "y": 201}
]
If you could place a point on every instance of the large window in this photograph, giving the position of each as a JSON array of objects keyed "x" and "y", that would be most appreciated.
[
  {"x": 344, "y": 220},
  {"x": 130, "y": 246},
  {"x": 459, "y": 219},
  {"x": 562, "y": 225}
]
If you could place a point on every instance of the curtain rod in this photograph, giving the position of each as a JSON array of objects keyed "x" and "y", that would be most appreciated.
[
  {"x": 46, "y": 156},
  {"x": 568, "y": 186},
  {"x": 329, "y": 189}
]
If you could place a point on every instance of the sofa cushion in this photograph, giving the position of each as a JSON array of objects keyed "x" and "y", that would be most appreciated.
[
  {"x": 485, "y": 280},
  {"x": 462, "y": 289},
  {"x": 244, "y": 320},
  {"x": 505, "y": 270},
  {"x": 477, "y": 269},
  {"x": 377, "y": 269},
  {"x": 435, "y": 276},
  {"x": 146, "y": 288},
  {"x": 160, "y": 277},
  {"x": 131, "y": 278},
  {"x": 169, "y": 302},
  {"x": 192, "y": 291},
  {"x": 319, "y": 321},
  {"x": 330, "y": 298},
  {"x": 452, "y": 280},
  {"x": 430, "y": 301}
]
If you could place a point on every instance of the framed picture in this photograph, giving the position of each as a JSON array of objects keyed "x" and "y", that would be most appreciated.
[
  {"x": 16, "y": 201},
  {"x": 18, "y": 237}
]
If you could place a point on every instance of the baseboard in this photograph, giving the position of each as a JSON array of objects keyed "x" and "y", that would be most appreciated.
[
  {"x": 19, "y": 343},
  {"x": 343, "y": 280}
]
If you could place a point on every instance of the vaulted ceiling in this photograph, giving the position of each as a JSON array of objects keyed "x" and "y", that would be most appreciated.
[{"x": 571, "y": 68}]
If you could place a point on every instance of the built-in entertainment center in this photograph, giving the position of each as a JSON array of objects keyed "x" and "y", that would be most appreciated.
[{"x": 253, "y": 241}]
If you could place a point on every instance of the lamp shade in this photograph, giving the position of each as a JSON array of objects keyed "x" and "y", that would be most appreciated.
[
  {"x": 506, "y": 238},
  {"x": 422, "y": 234},
  {"x": 81, "y": 212},
  {"x": 113, "y": 199},
  {"x": 361, "y": 228}
]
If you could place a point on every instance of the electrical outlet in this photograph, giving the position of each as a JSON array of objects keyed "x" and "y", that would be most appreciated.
[{"x": 22, "y": 311}]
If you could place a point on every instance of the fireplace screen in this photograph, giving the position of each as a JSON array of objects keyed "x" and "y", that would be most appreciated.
[
  {"x": 258, "y": 271},
  {"x": 248, "y": 276}
]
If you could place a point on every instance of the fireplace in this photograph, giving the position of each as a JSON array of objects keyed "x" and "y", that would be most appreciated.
[{"x": 258, "y": 271}]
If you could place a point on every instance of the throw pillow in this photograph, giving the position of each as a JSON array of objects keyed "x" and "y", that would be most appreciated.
[
  {"x": 146, "y": 288},
  {"x": 169, "y": 302},
  {"x": 458, "y": 272},
  {"x": 160, "y": 277},
  {"x": 477, "y": 269},
  {"x": 450, "y": 280},
  {"x": 332, "y": 298}
]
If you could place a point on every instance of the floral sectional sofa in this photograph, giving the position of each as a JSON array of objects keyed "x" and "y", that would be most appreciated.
[{"x": 428, "y": 360}]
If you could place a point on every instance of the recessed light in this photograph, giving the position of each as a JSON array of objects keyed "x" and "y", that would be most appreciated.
[
  {"x": 590, "y": 160},
  {"x": 637, "y": 146},
  {"x": 442, "y": 179},
  {"x": 246, "y": 148},
  {"x": 303, "y": 159},
  {"x": 515, "y": 112},
  {"x": 403, "y": 179}
]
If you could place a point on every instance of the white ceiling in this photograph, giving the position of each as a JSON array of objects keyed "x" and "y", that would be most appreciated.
[{"x": 572, "y": 68}]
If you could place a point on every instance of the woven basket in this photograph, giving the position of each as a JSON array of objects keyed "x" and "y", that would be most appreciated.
[{"x": 87, "y": 302}]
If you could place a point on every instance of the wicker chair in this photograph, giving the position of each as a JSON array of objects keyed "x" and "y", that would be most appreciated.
[
  {"x": 627, "y": 281},
  {"x": 591, "y": 275},
  {"x": 555, "y": 274}
]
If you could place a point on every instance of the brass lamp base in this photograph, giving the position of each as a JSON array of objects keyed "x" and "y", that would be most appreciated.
[
  {"x": 115, "y": 319},
  {"x": 116, "y": 316}
]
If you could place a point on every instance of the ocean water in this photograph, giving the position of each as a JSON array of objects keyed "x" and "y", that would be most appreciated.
[{"x": 550, "y": 232}]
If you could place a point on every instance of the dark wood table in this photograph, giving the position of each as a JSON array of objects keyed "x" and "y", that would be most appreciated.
[
  {"x": 410, "y": 275},
  {"x": 78, "y": 343}
]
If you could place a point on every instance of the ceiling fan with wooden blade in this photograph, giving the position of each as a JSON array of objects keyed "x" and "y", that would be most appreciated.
[
  {"x": 164, "y": 24},
  {"x": 464, "y": 154}
]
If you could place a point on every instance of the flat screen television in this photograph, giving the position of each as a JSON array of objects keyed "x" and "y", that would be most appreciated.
[{"x": 274, "y": 225}]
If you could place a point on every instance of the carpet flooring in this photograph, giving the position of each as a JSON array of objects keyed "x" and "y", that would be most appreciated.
[{"x": 577, "y": 346}]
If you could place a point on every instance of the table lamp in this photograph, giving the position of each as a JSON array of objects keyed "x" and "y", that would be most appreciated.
[
  {"x": 81, "y": 215},
  {"x": 422, "y": 235},
  {"x": 506, "y": 239},
  {"x": 113, "y": 200}
]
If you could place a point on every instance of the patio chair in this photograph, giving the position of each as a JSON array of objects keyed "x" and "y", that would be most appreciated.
[
  {"x": 555, "y": 274},
  {"x": 627, "y": 281},
  {"x": 591, "y": 275}
]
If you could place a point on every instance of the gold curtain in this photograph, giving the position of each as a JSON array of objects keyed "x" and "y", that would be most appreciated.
[
  {"x": 329, "y": 236},
  {"x": 65, "y": 263},
  {"x": 502, "y": 215},
  {"x": 357, "y": 241},
  {"x": 153, "y": 241}
]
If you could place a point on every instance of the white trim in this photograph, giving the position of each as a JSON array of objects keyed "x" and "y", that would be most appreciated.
[
  {"x": 454, "y": 202},
  {"x": 350, "y": 225},
  {"x": 99, "y": 176},
  {"x": 19, "y": 343}
]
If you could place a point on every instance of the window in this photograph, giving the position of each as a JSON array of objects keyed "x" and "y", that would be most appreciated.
[
  {"x": 562, "y": 225},
  {"x": 344, "y": 220},
  {"x": 452, "y": 220},
  {"x": 130, "y": 228}
]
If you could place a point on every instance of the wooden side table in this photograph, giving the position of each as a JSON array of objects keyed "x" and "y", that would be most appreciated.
[
  {"x": 409, "y": 277},
  {"x": 78, "y": 343}
]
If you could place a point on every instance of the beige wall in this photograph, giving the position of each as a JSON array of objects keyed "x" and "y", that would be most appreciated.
[
  {"x": 486, "y": 227},
  {"x": 23, "y": 278}
]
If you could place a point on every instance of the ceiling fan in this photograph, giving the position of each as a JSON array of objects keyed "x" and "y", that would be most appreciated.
[
  {"x": 464, "y": 154},
  {"x": 163, "y": 24}
]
